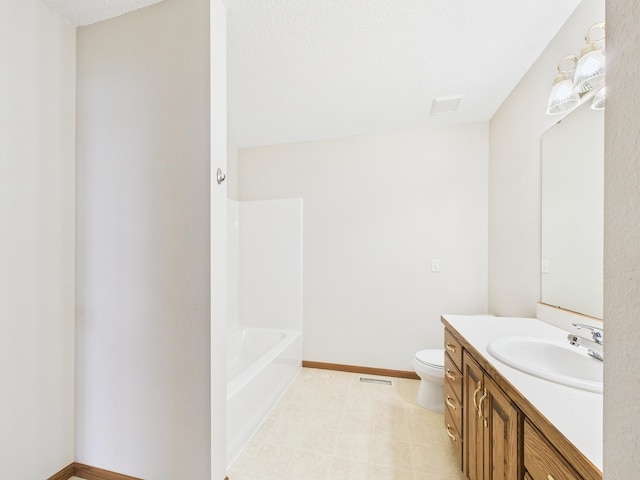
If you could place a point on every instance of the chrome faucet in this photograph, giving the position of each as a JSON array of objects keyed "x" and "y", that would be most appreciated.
[{"x": 597, "y": 335}]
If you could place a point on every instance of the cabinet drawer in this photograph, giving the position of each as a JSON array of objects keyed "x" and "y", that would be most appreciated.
[
  {"x": 453, "y": 348},
  {"x": 452, "y": 376},
  {"x": 454, "y": 436},
  {"x": 541, "y": 460},
  {"x": 454, "y": 406}
]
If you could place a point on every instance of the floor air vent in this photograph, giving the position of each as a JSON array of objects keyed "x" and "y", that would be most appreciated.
[{"x": 377, "y": 381}]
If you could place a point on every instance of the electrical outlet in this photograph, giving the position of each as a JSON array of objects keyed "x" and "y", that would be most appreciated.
[{"x": 545, "y": 266}]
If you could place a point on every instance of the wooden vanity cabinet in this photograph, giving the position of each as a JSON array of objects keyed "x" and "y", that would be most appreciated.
[
  {"x": 490, "y": 426},
  {"x": 496, "y": 432}
]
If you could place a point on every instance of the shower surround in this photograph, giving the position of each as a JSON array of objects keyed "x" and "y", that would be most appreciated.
[{"x": 264, "y": 347}]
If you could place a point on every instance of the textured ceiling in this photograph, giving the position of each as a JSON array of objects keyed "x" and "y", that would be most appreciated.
[
  {"x": 85, "y": 12},
  {"x": 313, "y": 69}
]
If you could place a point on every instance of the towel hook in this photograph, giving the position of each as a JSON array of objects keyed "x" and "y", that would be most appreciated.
[{"x": 220, "y": 177}]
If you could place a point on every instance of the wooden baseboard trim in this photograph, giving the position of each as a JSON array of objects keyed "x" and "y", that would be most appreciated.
[
  {"x": 88, "y": 473},
  {"x": 92, "y": 473},
  {"x": 65, "y": 474},
  {"x": 383, "y": 372}
]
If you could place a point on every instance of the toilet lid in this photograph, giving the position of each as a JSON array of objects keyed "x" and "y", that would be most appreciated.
[{"x": 432, "y": 358}]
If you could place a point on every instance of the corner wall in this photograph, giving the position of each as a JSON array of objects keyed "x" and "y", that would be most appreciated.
[
  {"x": 377, "y": 209},
  {"x": 143, "y": 228},
  {"x": 514, "y": 173},
  {"x": 37, "y": 173},
  {"x": 622, "y": 243}
]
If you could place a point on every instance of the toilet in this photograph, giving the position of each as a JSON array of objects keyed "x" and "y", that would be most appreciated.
[{"x": 429, "y": 365}]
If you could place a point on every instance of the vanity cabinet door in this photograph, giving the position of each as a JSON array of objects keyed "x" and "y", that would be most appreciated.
[
  {"x": 501, "y": 446},
  {"x": 541, "y": 460},
  {"x": 473, "y": 426},
  {"x": 490, "y": 427}
]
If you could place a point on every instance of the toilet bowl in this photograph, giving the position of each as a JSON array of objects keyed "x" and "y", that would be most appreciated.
[{"x": 429, "y": 365}]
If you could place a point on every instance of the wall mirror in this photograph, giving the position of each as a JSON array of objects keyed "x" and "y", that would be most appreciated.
[{"x": 572, "y": 212}]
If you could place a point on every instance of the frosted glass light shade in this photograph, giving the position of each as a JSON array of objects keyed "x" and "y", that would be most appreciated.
[
  {"x": 562, "y": 98},
  {"x": 590, "y": 71},
  {"x": 598, "y": 99}
]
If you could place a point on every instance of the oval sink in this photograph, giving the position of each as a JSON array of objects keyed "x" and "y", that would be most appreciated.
[{"x": 551, "y": 360}]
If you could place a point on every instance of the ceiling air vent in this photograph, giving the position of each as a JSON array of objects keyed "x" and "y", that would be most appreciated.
[{"x": 442, "y": 105}]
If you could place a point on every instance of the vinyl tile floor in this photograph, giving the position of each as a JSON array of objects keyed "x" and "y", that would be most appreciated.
[{"x": 331, "y": 426}]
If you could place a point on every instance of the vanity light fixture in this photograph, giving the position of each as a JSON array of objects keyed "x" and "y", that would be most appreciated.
[
  {"x": 588, "y": 75},
  {"x": 590, "y": 70},
  {"x": 598, "y": 99},
  {"x": 563, "y": 96}
]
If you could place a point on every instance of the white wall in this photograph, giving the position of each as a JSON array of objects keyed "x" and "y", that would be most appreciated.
[
  {"x": 270, "y": 264},
  {"x": 514, "y": 173},
  {"x": 143, "y": 237},
  {"x": 37, "y": 92},
  {"x": 377, "y": 209},
  {"x": 622, "y": 243}
]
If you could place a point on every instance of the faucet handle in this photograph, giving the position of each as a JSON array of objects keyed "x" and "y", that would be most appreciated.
[{"x": 596, "y": 333}]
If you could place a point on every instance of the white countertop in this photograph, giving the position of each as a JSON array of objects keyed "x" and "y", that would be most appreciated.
[{"x": 575, "y": 413}]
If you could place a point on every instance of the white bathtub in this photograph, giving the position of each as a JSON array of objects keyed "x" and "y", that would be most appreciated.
[{"x": 261, "y": 363}]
